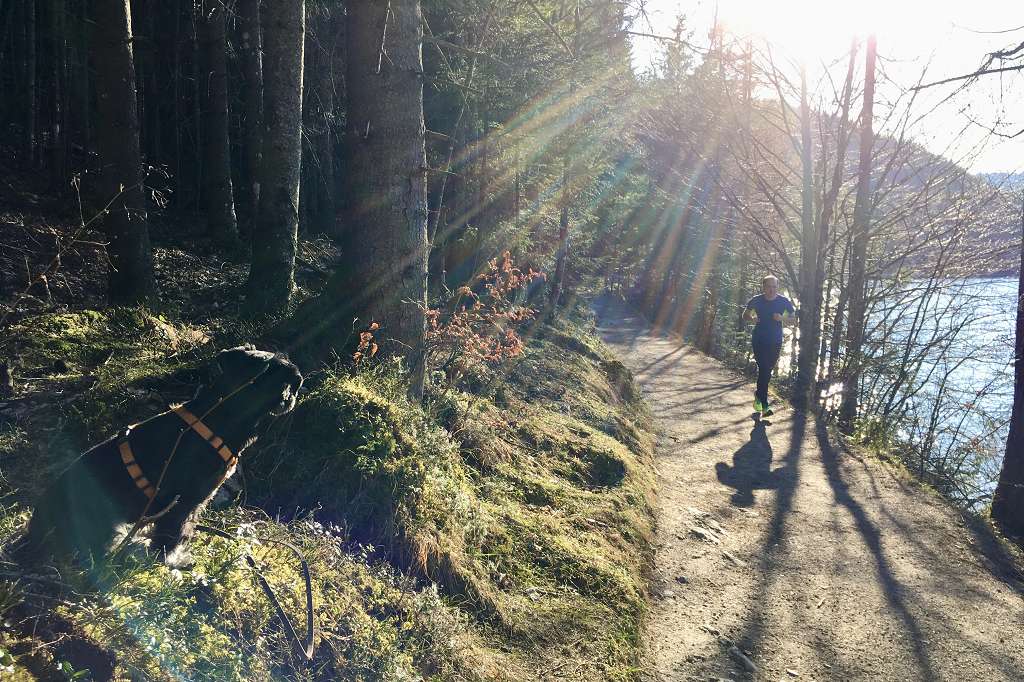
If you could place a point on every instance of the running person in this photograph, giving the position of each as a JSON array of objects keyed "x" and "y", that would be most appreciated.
[{"x": 771, "y": 311}]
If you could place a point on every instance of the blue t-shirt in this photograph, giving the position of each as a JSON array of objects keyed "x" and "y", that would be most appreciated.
[{"x": 767, "y": 330}]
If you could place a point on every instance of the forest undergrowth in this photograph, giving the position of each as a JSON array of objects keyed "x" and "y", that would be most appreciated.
[{"x": 499, "y": 530}]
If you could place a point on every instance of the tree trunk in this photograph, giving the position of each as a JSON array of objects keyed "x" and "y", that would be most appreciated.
[
  {"x": 568, "y": 180},
  {"x": 810, "y": 287},
  {"x": 838, "y": 321},
  {"x": 84, "y": 81},
  {"x": 218, "y": 199},
  {"x": 388, "y": 160},
  {"x": 275, "y": 233},
  {"x": 722, "y": 249},
  {"x": 740, "y": 297},
  {"x": 188, "y": 131},
  {"x": 825, "y": 215},
  {"x": 383, "y": 274},
  {"x": 251, "y": 53},
  {"x": 563, "y": 239},
  {"x": 153, "y": 80},
  {"x": 30, "y": 81},
  {"x": 1008, "y": 501},
  {"x": 702, "y": 214},
  {"x": 859, "y": 249},
  {"x": 6, "y": 13},
  {"x": 117, "y": 141},
  {"x": 318, "y": 188},
  {"x": 58, "y": 152}
]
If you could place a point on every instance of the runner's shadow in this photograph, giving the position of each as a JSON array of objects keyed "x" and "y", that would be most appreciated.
[{"x": 751, "y": 468}]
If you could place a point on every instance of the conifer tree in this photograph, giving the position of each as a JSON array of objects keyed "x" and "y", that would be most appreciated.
[
  {"x": 117, "y": 141},
  {"x": 275, "y": 233}
]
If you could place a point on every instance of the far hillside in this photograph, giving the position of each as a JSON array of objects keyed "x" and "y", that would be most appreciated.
[{"x": 1013, "y": 182}]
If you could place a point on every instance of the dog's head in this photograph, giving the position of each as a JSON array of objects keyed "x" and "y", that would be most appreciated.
[{"x": 259, "y": 383}]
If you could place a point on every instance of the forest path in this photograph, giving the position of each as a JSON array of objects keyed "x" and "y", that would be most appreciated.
[{"x": 820, "y": 565}]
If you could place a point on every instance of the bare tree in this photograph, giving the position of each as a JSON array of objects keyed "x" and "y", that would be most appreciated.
[
  {"x": 810, "y": 289},
  {"x": 859, "y": 248}
]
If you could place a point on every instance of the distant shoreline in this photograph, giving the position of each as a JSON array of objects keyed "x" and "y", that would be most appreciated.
[{"x": 1000, "y": 274}]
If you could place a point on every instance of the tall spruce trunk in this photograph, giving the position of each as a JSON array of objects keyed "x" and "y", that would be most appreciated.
[
  {"x": 1008, "y": 500},
  {"x": 6, "y": 15},
  {"x": 251, "y": 54},
  {"x": 218, "y": 198},
  {"x": 152, "y": 80},
  {"x": 58, "y": 151},
  {"x": 83, "y": 80},
  {"x": 31, "y": 96},
  {"x": 275, "y": 232},
  {"x": 318, "y": 184},
  {"x": 382, "y": 276},
  {"x": 117, "y": 142},
  {"x": 387, "y": 153},
  {"x": 858, "y": 254},
  {"x": 810, "y": 287},
  {"x": 188, "y": 156}
]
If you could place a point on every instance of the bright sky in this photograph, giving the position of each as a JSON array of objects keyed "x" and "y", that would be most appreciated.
[{"x": 946, "y": 37}]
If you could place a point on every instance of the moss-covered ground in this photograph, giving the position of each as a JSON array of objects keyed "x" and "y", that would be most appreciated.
[{"x": 498, "y": 530}]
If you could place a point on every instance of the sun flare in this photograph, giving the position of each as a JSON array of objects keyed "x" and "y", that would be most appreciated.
[{"x": 814, "y": 30}]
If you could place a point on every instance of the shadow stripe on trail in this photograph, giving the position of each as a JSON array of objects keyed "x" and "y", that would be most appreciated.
[{"x": 872, "y": 538}]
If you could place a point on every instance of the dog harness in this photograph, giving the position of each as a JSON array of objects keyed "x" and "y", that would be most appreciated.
[
  {"x": 134, "y": 470},
  {"x": 194, "y": 423},
  {"x": 204, "y": 431}
]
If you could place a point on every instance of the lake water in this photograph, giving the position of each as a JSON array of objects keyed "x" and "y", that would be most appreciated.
[{"x": 958, "y": 406}]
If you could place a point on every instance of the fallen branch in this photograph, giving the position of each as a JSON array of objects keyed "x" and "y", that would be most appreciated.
[{"x": 305, "y": 646}]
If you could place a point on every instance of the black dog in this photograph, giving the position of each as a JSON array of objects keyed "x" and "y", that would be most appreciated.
[{"x": 168, "y": 466}]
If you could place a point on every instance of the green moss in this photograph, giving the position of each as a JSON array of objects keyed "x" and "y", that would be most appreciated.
[
  {"x": 215, "y": 623},
  {"x": 108, "y": 365},
  {"x": 356, "y": 454},
  {"x": 500, "y": 533}
]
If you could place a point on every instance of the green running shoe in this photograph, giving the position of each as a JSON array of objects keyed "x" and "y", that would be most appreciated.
[
  {"x": 767, "y": 412},
  {"x": 758, "y": 407}
]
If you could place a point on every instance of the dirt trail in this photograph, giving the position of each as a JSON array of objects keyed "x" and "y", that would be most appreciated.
[{"x": 817, "y": 564}]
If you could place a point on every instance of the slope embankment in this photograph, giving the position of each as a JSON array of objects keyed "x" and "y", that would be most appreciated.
[
  {"x": 780, "y": 556},
  {"x": 500, "y": 529}
]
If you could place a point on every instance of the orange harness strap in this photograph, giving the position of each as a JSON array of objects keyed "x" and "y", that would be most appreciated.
[
  {"x": 134, "y": 470},
  {"x": 216, "y": 442}
]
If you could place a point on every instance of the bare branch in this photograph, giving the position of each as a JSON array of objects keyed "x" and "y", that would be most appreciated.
[{"x": 969, "y": 76}]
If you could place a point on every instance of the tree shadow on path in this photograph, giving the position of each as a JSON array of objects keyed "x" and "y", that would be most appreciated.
[
  {"x": 873, "y": 539},
  {"x": 751, "y": 468}
]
